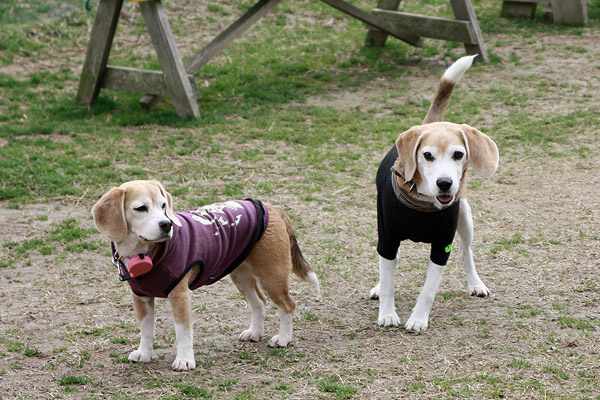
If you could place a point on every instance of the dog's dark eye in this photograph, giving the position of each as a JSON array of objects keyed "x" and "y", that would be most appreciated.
[
  {"x": 141, "y": 208},
  {"x": 164, "y": 206},
  {"x": 428, "y": 156},
  {"x": 458, "y": 155}
]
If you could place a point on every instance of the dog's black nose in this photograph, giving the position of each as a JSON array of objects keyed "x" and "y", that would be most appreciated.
[
  {"x": 444, "y": 184},
  {"x": 165, "y": 225}
]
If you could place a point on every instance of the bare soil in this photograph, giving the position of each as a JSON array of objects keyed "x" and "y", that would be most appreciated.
[{"x": 537, "y": 246}]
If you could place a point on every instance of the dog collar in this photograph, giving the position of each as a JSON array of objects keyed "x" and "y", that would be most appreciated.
[
  {"x": 407, "y": 199},
  {"x": 117, "y": 261}
]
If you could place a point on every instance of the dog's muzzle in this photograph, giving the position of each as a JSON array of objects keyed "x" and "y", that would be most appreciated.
[{"x": 444, "y": 184}]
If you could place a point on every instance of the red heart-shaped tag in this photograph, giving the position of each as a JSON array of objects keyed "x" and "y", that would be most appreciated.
[{"x": 139, "y": 265}]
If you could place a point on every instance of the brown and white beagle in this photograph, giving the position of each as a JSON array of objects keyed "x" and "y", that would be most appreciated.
[
  {"x": 167, "y": 254},
  {"x": 421, "y": 196}
]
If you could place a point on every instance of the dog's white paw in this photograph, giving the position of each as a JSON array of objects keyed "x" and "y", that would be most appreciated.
[
  {"x": 479, "y": 290},
  {"x": 417, "y": 323},
  {"x": 374, "y": 293},
  {"x": 184, "y": 364},
  {"x": 142, "y": 356},
  {"x": 389, "y": 319},
  {"x": 250, "y": 336},
  {"x": 280, "y": 341}
]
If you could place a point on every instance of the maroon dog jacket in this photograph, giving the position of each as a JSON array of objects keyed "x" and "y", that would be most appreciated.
[{"x": 218, "y": 238}]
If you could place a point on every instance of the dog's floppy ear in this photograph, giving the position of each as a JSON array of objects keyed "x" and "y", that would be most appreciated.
[
  {"x": 109, "y": 215},
  {"x": 407, "y": 144},
  {"x": 482, "y": 152},
  {"x": 169, "y": 211}
]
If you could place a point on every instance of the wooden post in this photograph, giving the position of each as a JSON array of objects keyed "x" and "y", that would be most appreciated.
[
  {"x": 375, "y": 37},
  {"x": 463, "y": 10},
  {"x": 176, "y": 79},
  {"x": 518, "y": 8},
  {"x": 375, "y": 21},
  {"x": 98, "y": 50},
  {"x": 569, "y": 12}
]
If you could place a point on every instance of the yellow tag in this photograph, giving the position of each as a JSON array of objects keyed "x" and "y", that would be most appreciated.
[{"x": 137, "y": 1}]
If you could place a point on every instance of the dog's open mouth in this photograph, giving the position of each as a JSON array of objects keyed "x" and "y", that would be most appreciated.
[
  {"x": 159, "y": 239},
  {"x": 445, "y": 199}
]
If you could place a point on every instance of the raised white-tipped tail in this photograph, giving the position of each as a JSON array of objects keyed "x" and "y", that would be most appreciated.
[
  {"x": 446, "y": 87},
  {"x": 457, "y": 70}
]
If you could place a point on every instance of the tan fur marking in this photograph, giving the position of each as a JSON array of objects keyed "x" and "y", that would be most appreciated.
[
  {"x": 181, "y": 302},
  {"x": 441, "y": 136},
  {"x": 271, "y": 261},
  {"x": 138, "y": 189},
  {"x": 482, "y": 151},
  {"x": 109, "y": 214},
  {"x": 407, "y": 145},
  {"x": 441, "y": 99},
  {"x": 240, "y": 273},
  {"x": 140, "y": 305}
]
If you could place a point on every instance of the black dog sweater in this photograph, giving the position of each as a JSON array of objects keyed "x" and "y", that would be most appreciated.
[{"x": 397, "y": 222}]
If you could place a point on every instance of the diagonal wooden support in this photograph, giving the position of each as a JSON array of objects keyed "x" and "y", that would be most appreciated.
[
  {"x": 220, "y": 42},
  {"x": 175, "y": 77},
  {"x": 463, "y": 10},
  {"x": 231, "y": 33},
  {"x": 432, "y": 27}
]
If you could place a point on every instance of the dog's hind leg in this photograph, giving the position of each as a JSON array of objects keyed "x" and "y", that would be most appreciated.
[
  {"x": 144, "y": 308},
  {"x": 248, "y": 286},
  {"x": 465, "y": 231},
  {"x": 278, "y": 291},
  {"x": 274, "y": 279}
]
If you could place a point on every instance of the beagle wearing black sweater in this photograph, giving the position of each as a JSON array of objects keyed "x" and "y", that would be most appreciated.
[{"x": 421, "y": 196}]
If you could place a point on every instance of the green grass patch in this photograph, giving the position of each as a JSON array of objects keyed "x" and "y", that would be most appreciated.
[
  {"x": 68, "y": 235},
  {"x": 69, "y": 380},
  {"x": 333, "y": 384}
]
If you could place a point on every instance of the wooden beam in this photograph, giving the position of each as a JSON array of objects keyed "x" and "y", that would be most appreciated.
[
  {"x": 231, "y": 33},
  {"x": 463, "y": 10},
  {"x": 375, "y": 21},
  {"x": 431, "y": 27},
  {"x": 98, "y": 50},
  {"x": 140, "y": 81},
  {"x": 175, "y": 77}
]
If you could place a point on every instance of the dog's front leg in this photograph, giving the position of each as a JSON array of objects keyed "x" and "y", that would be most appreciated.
[
  {"x": 181, "y": 304},
  {"x": 144, "y": 308},
  {"x": 419, "y": 319},
  {"x": 465, "y": 231},
  {"x": 387, "y": 309}
]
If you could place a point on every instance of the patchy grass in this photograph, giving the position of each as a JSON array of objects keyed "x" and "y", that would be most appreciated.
[{"x": 300, "y": 114}]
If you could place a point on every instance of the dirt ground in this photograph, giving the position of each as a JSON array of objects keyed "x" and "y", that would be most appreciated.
[{"x": 537, "y": 246}]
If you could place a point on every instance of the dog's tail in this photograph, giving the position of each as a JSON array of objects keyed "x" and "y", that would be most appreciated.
[
  {"x": 300, "y": 266},
  {"x": 446, "y": 87}
]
